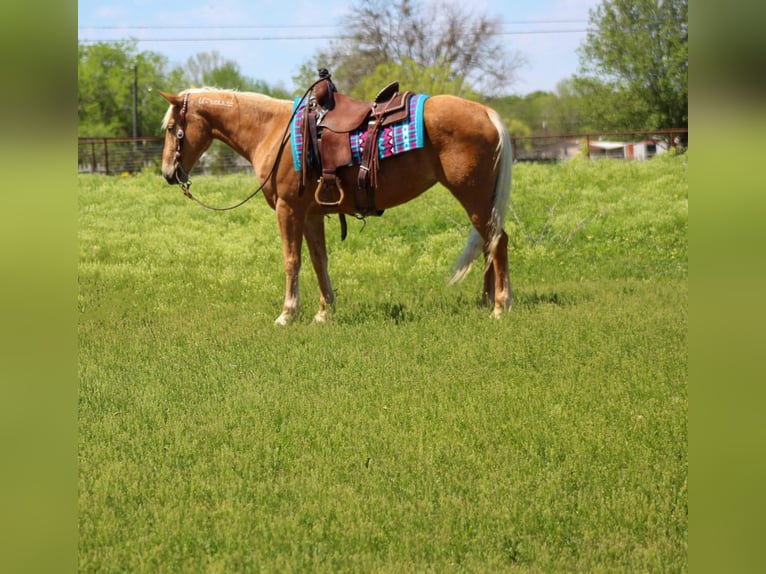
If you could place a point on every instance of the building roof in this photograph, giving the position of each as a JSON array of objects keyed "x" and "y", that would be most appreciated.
[{"x": 608, "y": 145}]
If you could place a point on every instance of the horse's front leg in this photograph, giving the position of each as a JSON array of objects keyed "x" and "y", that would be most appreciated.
[
  {"x": 315, "y": 239},
  {"x": 291, "y": 230}
]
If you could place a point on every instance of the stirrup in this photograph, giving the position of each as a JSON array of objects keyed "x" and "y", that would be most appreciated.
[{"x": 328, "y": 203}]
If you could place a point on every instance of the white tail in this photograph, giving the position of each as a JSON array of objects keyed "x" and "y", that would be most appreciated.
[{"x": 501, "y": 199}]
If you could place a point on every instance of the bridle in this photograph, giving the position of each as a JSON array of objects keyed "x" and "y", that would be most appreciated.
[
  {"x": 185, "y": 183},
  {"x": 180, "y": 135}
]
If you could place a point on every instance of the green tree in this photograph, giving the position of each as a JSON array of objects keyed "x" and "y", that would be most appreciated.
[
  {"x": 212, "y": 69},
  {"x": 608, "y": 106},
  {"x": 538, "y": 112},
  {"x": 107, "y": 74},
  {"x": 635, "y": 63},
  {"x": 567, "y": 112},
  {"x": 431, "y": 80},
  {"x": 448, "y": 35}
]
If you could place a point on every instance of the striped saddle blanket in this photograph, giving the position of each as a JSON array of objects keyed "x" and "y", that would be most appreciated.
[{"x": 392, "y": 140}]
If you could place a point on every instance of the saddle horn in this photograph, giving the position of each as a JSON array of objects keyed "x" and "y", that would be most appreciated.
[{"x": 324, "y": 90}]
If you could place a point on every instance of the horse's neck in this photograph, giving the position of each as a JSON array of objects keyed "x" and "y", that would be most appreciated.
[{"x": 250, "y": 123}]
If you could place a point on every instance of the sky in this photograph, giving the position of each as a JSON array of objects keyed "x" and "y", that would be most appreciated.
[{"x": 271, "y": 39}]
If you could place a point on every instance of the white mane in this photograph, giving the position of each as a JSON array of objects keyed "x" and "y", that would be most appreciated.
[{"x": 209, "y": 89}]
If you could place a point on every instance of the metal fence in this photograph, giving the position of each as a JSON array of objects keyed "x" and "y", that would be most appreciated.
[
  {"x": 633, "y": 144},
  {"x": 112, "y": 156}
]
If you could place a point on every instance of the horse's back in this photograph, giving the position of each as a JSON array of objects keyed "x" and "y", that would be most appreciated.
[{"x": 448, "y": 117}]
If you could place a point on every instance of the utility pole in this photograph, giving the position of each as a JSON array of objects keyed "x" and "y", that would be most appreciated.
[{"x": 135, "y": 100}]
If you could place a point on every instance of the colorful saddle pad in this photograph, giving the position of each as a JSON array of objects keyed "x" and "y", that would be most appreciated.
[{"x": 392, "y": 140}]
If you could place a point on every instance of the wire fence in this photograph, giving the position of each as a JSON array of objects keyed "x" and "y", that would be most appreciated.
[
  {"x": 631, "y": 145},
  {"x": 114, "y": 156}
]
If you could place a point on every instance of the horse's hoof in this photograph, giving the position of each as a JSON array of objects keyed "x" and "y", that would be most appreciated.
[
  {"x": 320, "y": 318},
  {"x": 283, "y": 320}
]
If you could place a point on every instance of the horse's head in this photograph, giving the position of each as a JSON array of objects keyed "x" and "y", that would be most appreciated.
[{"x": 186, "y": 138}]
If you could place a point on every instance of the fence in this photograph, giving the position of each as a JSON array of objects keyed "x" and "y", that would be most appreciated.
[
  {"x": 119, "y": 155},
  {"x": 632, "y": 144},
  {"x": 112, "y": 156}
]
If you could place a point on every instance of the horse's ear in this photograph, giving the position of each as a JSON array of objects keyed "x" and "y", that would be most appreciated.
[{"x": 171, "y": 98}]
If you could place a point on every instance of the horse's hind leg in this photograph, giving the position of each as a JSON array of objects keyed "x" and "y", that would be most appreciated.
[
  {"x": 488, "y": 292},
  {"x": 496, "y": 291},
  {"x": 502, "y": 280},
  {"x": 315, "y": 240}
]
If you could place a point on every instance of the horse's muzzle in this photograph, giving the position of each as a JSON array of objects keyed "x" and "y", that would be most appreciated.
[{"x": 177, "y": 176}]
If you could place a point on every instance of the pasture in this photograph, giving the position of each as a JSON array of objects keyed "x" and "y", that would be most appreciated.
[{"x": 410, "y": 434}]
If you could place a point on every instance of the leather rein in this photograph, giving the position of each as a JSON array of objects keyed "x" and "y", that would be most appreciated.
[{"x": 186, "y": 184}]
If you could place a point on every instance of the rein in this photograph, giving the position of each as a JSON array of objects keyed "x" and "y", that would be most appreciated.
[
  {"x": 185, "y": 185},
  {"x": 181, "y": 133}
]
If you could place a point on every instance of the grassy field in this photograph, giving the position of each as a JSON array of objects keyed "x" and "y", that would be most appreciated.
[{"x": 412, "y": 433}]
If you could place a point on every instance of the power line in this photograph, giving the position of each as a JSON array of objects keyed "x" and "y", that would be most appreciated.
[
  {"x": 291, "y": 26},
  {"x": 298, "y": 37}
]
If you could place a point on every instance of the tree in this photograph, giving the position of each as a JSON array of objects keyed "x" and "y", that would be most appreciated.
[
  {"x": 567, "y": 112},
  {"x": 448, "y": 35},
  {"x": 212, "y": 69},
  {"x": 538, "y": 112},
  {"x": 431, "y": 80},
  {"x": 608, "y": 106},
  {"x": 105, "y": 82},
  {"x": 636, "y": 58}
]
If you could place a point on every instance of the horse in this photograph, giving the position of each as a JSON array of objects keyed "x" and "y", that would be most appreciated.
[{"x": 467, "y": 149}]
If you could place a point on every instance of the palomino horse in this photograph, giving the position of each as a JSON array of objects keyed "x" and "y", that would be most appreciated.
[{"x": 467, "y": 149}]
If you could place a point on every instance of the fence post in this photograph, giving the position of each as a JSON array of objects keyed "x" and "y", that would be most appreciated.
[
  {"x": 106, "y": 157},
  {"x": 93, "y": 161}
]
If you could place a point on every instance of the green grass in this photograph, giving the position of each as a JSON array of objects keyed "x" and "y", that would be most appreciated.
[{"x": 410, "y": 434}]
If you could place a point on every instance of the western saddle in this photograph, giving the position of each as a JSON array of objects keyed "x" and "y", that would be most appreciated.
[{"x": 329, "y": 120}]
